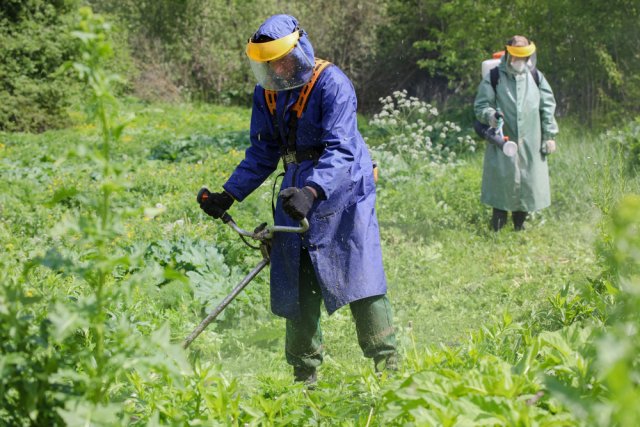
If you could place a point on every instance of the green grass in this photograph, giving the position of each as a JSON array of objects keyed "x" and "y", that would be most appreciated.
[{"x": 449, "y": 276}]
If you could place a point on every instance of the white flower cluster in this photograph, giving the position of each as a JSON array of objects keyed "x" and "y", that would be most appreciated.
[{"x": 416, "y": 134}]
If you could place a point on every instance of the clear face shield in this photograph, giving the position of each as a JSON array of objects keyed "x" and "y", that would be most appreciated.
[
  {"x": 288, "y": 72},
  {"x": 280, "y": 64},
  {"x": 521, "y": 58}
]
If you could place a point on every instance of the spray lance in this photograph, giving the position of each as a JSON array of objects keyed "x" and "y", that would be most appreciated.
[
  {"x": 496, "y": 136},
  {"x": 263, "y": 235}
]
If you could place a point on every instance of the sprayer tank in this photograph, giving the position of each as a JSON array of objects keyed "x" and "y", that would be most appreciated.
[{"x": 488, "y": 64}]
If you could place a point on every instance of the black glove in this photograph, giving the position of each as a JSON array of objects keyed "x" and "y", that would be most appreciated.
[
  {"x": 214, "y": 204},
  {"x": 493, "y": 120},
  {"x": 297, "y": 202}
]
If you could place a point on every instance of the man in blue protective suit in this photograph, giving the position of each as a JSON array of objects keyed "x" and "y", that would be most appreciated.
[{"x": 304, "y": 112}]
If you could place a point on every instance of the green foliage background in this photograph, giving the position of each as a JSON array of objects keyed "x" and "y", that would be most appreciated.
[
  {"x": 194, "y": 50},
  {"x": 433, "y": 48},
  {"x": 585, "y": 48},
  {"x": 34, "y": 44}
]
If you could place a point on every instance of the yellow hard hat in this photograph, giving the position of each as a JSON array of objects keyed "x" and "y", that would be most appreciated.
[
  {"x": 271, "y": 50},
  {"x": 521, "y": 51}
]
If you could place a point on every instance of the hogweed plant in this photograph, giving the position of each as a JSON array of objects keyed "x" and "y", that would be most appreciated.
[
  {"x": 103, "y": 344},
  {"x": 416, "y": 135},
  {"x": 91, "y": 229}
]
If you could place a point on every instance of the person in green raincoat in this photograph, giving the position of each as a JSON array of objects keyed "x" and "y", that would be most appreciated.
[{"x": 525, "y": 101}]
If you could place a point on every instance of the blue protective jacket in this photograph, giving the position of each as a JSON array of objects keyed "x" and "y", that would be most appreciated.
[{"x": 343, "y": 238}]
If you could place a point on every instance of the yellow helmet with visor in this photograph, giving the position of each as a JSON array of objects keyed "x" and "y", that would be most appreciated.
[
  {"x": 279, "y": 64},
  {"x": 271, "y": 50},
  {"x": 521, "y": 51},
  {"x": 521, "y": 54}
]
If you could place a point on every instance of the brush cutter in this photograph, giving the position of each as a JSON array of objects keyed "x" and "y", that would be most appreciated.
[{"x": 262, "y": 234}]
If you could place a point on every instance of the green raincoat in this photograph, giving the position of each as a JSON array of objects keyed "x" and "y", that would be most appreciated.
[{"x": 519, "y": 183}]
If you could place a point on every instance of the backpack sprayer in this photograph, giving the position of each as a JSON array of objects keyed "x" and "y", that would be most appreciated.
[
  {"x": 262, "y": 234},
  {"x": 495, "y": 135}
]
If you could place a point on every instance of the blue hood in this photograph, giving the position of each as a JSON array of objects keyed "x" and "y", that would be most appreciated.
[{"x": 278, "y": 26}]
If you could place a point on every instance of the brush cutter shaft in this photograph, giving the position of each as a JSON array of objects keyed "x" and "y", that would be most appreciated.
[
  {"x": 239, "y": 230},
  {"x": 225, "y": 302},
  {"x": 263, "y": 234},
  {"x": 267, "y": 232}
]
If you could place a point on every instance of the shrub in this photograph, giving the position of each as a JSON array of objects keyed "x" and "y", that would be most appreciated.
[
  {"x": 628, "y": 140},
  {"x": 34, "y": 44}
]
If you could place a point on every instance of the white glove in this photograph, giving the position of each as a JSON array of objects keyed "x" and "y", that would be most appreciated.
[{"x": 549, "y": 146}]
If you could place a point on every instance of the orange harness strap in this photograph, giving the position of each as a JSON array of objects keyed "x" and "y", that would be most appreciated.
[
  {"x": 270, "y": 96},
  {"x": 301, "y": 103}
]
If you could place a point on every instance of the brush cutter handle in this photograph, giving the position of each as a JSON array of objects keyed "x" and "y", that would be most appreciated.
[
  {"x": 262, "y": 232},
  {"x": 304, "y": 226},
  {"x": 203, "y": 195}
]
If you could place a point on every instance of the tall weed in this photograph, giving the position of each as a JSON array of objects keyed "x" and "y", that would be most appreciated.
[
  {"x": 411, "y": 137},
  {"x": 101, "y": 344}
]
